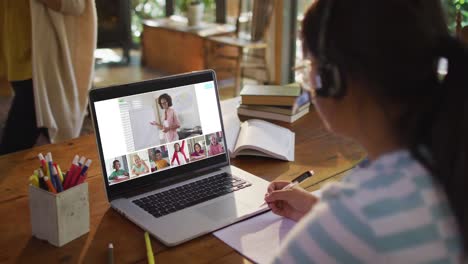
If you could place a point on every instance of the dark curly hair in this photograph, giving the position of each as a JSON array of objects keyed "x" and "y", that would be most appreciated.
[
  {"x": 196, "y": 144},
  {"x": 168, "y": 100}
]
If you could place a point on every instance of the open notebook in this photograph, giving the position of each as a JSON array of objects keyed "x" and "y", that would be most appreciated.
[
  {"x": 256, "y": 137},
  {"x": 259, "y": 237}
]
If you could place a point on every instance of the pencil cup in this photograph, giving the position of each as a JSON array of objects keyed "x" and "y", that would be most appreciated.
[{"x": 59, "y": 218}]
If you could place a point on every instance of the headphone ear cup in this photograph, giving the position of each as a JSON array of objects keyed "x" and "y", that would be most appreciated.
[
  {"x": 330, "y": 82},
  {"x": 338, "y": 88}
]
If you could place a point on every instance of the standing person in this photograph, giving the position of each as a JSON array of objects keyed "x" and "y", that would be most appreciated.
[
  {"x": 46, "y": 52},
  {"x": 20, "y": 130},
  {"x": 377, "y": 81},
  {"x": 171, "y": 121},
  {"x": 215, "y": 147}
]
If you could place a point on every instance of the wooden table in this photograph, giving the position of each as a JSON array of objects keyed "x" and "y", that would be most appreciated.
[
  {"x": 316, "y": 149},
  {"x": 170, "y": 46}
]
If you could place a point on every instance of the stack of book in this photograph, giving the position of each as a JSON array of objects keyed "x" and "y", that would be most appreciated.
[{"x": 274, "y": 102}]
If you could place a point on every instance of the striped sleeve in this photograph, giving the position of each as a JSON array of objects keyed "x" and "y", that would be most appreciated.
[
  {"x": 391, "y": 212},
  {"x": 331, "y": 233}
]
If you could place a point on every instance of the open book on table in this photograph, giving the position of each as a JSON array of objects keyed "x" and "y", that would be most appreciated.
[{"x": 258, "y": 138}]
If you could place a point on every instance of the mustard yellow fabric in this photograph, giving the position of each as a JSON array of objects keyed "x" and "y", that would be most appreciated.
[{"x": 15, "y": 40}]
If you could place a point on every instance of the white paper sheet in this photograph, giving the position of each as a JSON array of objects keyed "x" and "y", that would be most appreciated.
[
  {"x": 259, "y": 237},
  {"x": 231, "y": 121}
]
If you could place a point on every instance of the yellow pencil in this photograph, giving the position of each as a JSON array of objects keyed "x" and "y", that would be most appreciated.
[
  {"x": 149, "y": 249},
  {"x": 60, "y": 173},
  {"x": 34, "y": 180}
]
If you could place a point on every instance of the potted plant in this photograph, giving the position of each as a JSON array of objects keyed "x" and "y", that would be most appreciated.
[
  {"x": 452, "y": 9},
  {"x": 195, "y": 10}
]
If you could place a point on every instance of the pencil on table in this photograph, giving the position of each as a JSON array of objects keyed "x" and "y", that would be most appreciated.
[{"x": 149, "y": 249}]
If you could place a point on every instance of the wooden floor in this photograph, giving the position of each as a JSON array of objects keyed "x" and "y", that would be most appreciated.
[{"x": 107, "y": 74}]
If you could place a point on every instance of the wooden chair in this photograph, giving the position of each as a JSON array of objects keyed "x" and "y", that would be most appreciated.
[
  {"x": 464, "y": 35},
  {"x": 243, "y": 50}
]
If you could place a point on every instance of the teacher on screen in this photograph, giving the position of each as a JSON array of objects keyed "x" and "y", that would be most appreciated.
[{"x": 171, "y": 122}]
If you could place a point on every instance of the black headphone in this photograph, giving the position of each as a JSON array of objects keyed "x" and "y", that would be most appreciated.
[{"x": 330, "y": 81}]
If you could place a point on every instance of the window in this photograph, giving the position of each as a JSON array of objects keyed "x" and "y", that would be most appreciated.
[
  {"x": 145, "y": 9},
  {"x": 302, "y": 6}
]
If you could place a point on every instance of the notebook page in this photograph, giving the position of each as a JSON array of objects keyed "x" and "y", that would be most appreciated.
[
  {"x": 258, "y": 238},
  {"x": 231, "y": 129},
  {"x": 231, "y": 121},
  {"x": 267, "y": 136}
]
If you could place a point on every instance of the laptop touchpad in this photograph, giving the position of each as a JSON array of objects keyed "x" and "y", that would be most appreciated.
[{"x": 223, "y": 209}]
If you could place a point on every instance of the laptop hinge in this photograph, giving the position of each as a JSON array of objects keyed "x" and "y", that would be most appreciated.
[{"x": 166, "y": 182}]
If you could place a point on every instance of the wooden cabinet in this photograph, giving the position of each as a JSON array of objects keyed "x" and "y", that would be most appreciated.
[{"x": 170, "y": 46}]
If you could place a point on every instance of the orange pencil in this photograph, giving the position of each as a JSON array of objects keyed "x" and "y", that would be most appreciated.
[{"x": 49, "y": 184}]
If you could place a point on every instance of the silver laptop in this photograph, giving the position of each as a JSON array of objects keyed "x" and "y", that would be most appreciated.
[{"x": 164, "y": 159}]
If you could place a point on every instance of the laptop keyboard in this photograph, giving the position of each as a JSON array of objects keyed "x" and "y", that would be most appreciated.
[{"x": 163, "y": 203}]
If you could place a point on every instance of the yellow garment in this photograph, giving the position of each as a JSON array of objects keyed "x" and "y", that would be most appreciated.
[
  {"x": 15, "y": 40},
  {"x": 161, "y": 164}
]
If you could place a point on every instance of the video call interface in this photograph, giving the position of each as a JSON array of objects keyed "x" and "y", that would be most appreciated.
[{"x": 156, "y": 131}]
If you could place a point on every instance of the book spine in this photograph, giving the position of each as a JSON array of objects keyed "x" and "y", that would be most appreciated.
[
  {"x": 267, "y": 100},
  {"x": 285, "y": 110},
  {"x": 267, "y": 115}
]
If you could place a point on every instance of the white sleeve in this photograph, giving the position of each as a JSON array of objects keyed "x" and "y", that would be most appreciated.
[{"x": 73, "y": 7}]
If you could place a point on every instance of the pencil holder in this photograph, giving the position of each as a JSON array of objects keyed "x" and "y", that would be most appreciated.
[{"x": 59, "y": 218}]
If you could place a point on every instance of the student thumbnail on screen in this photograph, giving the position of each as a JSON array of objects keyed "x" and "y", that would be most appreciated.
[
  {"x": 117, "y": 169},
  {"x": 197, "y": 148},
  {"x": 159, "y": 158}
]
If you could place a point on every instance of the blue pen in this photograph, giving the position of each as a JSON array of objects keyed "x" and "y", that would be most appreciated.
[
  {"x": 84, "y": 170},
  {"x": 86, "y": 166},
  {"x": 81, "y": 161},
  {"x": 57, "y": 180},
  {"x": 81, "y": 177}
]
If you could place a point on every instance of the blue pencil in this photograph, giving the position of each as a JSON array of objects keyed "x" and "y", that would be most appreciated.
[{"x": 57, "y": 180}]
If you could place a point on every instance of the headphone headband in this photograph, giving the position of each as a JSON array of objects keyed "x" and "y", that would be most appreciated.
[
  {"x": 330, "y": 81},
  {"x": 323, "y": 31}
]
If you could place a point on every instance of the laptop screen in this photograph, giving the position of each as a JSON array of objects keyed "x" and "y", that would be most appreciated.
[{"x": 160, "y": 132}]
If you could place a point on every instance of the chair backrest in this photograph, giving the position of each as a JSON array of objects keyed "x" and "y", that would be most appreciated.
[
  {"x": 261, "y": 17},
  {"x": 462, "y": 32},
  {"x": 259, "y": 21},
  {"x": 464, "y": 35}
]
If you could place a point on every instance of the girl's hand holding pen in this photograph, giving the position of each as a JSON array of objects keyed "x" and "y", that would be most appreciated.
[{"x": 292, "y": 203}]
